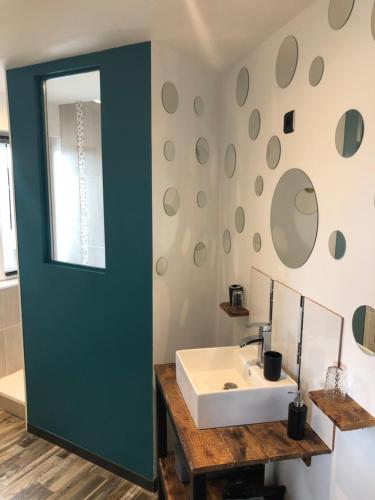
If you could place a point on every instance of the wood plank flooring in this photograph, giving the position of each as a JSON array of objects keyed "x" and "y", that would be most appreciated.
[{"x": 32, "y": 468}]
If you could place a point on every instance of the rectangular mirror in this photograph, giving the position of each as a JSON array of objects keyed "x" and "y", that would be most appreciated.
[{"x": 74, "y": 154}]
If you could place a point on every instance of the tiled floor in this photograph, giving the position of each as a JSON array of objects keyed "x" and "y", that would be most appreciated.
[{"x": 32, "y": 468}]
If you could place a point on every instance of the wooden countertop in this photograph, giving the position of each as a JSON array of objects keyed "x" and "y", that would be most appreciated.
[{"x": 209, "y": 450}]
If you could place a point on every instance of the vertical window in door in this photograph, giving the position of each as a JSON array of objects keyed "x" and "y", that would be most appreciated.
[{"x": 73, "y": 139}]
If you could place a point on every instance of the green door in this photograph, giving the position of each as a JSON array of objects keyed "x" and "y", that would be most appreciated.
[{"x": 87, "y": 317}]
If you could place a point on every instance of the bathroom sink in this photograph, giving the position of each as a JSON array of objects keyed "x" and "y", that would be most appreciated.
[{"x": 203, "y": 374}]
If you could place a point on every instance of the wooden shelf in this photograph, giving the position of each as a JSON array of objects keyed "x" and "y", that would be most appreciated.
[
  {"x": 175, "y": 490},
  {"x": 234, "y": 312},
  {"x": 347, "y": 415},
  {"x": 218, "y": 449}
]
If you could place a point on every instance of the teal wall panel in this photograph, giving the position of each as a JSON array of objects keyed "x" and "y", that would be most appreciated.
[{"x": 87, "y": 333}]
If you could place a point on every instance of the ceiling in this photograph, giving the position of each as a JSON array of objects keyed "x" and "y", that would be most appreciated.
[{"x": 218, "y": 32}]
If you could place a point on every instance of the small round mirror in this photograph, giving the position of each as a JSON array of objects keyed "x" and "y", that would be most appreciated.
[
  {"x": 257, "y": 242},
  {"x": 161, "y": 266},
  {"x": 254, "y": 124},
  {"x": 259, "y": 185},
  {"x": 337, "y": 245},
  {"x": 202, "y": 150},
  {"x": 239, "y": 219},
  {"x": 169, "y": 97},
  {"x": 349, "y": 133},
  {"x": 230, "y": 161},
  {"x": 294, "y": 218},
  {"x": 242, "y": 86},
  {"x": 363, "y": 325},
  {"x": 286, "y": 62},
  {"x": 198, "y": 106},
  {"x": 169, "y": 151},
  {"x": 171, "y": 201},
  {"x": 316, "y": 71},
  {"x": 201, "y": 199},
  {"x": 339, "y": 12},
  {"x": 273, "y": 152},
  {"x": 200, "y": 254},
  {"x": 227, "y": 241}
]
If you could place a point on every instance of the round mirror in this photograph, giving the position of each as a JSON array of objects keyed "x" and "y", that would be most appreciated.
[
  {"x": 227, "y": 242},
  {"x": 161, "y": 266},
  {"x": 200, "y": 254},
  {"x": 201, "y": 199},
  {"x": 316, "y": 71},
  {"x": 169, "y": 151},
  {"x": 337, "y": 245},
  {"x": 257, "y": 242},
  {"x": 305, "y": 201},
  {"x": 169, "y": 97},
  {"x": 171, "y": 201},
  {"x": 254, "y": 124},
  {"x": 349, "y": 133},
  {"x": 230, "y": 161},
  {"x": 259, "y": 185},
  {"x": 198, "y": 106},
  {"x": 202, "y": 150},
  {"x": 242, "y": 86},
  {"x": 239, "y": 219},
  {"x": 286, "y": 62},
  {"x": 339, "y": 12},
  {"x": 294, "y": 225},
  {"x": 273, "y": 152},
  {"x": 363, "y": 325}
]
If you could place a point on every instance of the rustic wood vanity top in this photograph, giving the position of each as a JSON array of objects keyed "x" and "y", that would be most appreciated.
[
  {"x": 347, "y": 415},
  {"x": 208, "y": 450}
]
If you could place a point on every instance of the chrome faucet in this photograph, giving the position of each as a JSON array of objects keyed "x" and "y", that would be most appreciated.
[{"x": 263, "y": 339}]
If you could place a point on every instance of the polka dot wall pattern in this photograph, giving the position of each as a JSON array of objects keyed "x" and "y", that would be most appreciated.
[{"x": 171, "y": 99}]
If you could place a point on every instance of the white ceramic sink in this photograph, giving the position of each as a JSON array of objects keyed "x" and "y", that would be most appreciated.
[{"x": 202, "y": 373}]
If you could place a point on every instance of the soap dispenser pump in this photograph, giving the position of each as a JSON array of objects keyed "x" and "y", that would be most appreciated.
[{"x": 297, "y": 417}]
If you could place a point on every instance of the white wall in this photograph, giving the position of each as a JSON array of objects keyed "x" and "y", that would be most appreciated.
[
  {"x": 4, "y": 120},
  {"x": 345, "y": 190},
  {"x": 185, "y": 304}
]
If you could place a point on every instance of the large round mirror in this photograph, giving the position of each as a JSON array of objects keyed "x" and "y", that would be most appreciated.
[
  {"x": 242, "y": 86},
  {"x": 364, "y": 328},
  {"x": 273, "y": 152},
  {"x": 200, "y": 254},
  {"x": 171, "y": 201},
  {"x": 337, "y": 245},
  {"x": 294, "y": 218},
  {"x": 239, "y": 219},
  {"x": 254, "y": 124},
  {"x": 230, "y": 161},
  {"x": 286, "y": 62},
  {"x": 316, "y": 71},
  {"x": 339, "y": 12},
  {"x": 227, "y": 241},
  {"x": 202, "y": 150},
  {"x": 349, "y": 133},
  {"x": 169, "y": 97}
]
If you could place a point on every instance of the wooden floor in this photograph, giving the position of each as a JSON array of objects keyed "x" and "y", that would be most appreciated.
[{"x": 32, "y": 468}]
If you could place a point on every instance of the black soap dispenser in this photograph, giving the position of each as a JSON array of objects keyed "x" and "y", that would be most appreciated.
[{"x": 297, "y": 418}]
